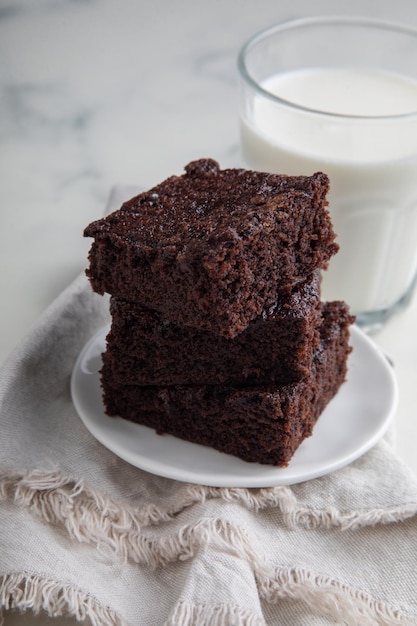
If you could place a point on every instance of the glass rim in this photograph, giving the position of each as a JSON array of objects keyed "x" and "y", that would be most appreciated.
[{"x": 293, "y": 24}]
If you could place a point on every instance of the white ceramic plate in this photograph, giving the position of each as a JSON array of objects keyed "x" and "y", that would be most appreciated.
[{"x": 351, "y": 424}]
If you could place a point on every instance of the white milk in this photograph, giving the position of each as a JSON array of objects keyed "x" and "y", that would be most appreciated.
[{"x": 372, "y": 165}]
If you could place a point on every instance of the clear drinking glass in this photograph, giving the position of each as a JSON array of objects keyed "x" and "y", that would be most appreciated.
[{"x": 339, "y": 95}]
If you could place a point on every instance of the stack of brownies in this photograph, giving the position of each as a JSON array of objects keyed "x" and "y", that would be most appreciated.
[{"x": 218, "y": 332}]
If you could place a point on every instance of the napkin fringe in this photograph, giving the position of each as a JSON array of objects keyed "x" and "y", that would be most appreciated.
[
  {"x": 295, "y": 514},
  {"x": 57, "y": 497},
  {"x": 93, "y": 518},
  {"x": 23, "y": 592},
  {"x": 325, "y": 596},
  {"x": 190, "y": 614}
]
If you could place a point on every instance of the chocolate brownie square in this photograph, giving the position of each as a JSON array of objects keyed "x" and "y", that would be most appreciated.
[
  {"x": 277, "y": 346},
  {"x": 212, "y": 249}
]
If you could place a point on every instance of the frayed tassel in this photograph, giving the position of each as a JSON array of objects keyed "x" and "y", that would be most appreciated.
[
  {"x": 27, "y": 592},
  {"x": 188, "y": 614},
  {"x": 324, "y": 596},
  {"x": 50, "y": 493}
]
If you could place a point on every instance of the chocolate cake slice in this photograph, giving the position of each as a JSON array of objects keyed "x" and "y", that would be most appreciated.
[
  {"x": 213, "y": 248},
  {"x": 277, "y": 346},
  {"x": 263, "y": 423}
]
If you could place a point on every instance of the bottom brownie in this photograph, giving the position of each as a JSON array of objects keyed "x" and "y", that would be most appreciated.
[{"x": 263, "y": 424}]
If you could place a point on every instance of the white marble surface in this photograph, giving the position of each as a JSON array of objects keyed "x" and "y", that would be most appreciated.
[{"x": 95, "y": 92}]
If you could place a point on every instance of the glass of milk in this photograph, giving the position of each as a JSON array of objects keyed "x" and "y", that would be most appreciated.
[{"x": 339, "y": 95}]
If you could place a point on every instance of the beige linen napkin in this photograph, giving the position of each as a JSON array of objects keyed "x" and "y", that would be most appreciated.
[{"x": 86, "y": 534}]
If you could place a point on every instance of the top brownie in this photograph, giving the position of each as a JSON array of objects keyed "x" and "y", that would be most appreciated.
[{"x": 212, "y": 248}]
